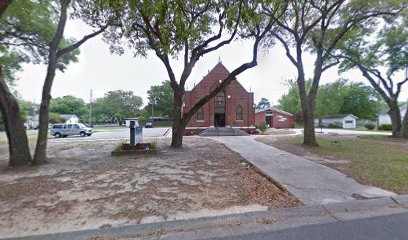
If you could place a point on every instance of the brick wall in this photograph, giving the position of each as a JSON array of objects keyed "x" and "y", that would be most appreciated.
[
  {"x": 279, "y": 123},
  {"x": 235, "y": 95},
  {"x": 279, "y": 120},
  {"x": 260, "y": 118}
]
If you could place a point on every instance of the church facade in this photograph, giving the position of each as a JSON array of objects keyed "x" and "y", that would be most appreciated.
[{"x": 233, "y": 107}]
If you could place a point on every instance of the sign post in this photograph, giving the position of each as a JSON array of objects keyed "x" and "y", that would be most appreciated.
[{"x": 132, "y": 133}]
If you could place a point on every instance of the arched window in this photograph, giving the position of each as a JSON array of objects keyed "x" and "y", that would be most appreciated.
[
  {"x": 200, "y": 114},
  {"x": 239, "y": 115}
]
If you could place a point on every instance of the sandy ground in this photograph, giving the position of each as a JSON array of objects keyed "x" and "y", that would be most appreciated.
[{"x": 83, "y": 187}]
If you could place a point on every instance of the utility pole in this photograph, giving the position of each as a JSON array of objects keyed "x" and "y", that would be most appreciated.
[
  {"x": 90, "y": 109},
  {"x": 153, "y": 102},
  {"x": 151, "y": 120}
]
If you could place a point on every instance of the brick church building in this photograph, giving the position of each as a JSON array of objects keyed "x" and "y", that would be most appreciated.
[{"x": 234, "y": 107}]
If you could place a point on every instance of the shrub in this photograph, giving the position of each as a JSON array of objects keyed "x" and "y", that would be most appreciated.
[
  {"x": 369, "y": 126},
  {"x": 153, "y": 145},
  {"x": 334, "y": 125},
  {"x": 262, "y": 127},
  {"x": 385, "y": 127},
  {"x": 55, "y": 118},
  {"x": 118, "y": 147}
]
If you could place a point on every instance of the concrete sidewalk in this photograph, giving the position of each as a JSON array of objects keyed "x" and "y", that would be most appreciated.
[
  {"x": 245, "y": 224},
  {"x": 310, "y": 182}
]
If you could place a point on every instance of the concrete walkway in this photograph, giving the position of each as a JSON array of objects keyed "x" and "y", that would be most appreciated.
[{"x": 310, "y": 182}]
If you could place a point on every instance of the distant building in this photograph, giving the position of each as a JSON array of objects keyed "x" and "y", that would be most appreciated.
[
  {"x": 126, "y": 121},
  {"x": 70, "y": 118},
  {"x": 384, "y": 118},
  {"x": 274, "y": 118},
  {"x": 341, "y": 120},
  {"x": 32, "y": 122},
  {"x": 232, "y": 107}
]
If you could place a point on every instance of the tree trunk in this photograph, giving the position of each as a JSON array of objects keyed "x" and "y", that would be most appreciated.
[
  {"x": 4, "y": 5},
  {"x": 395, "y": 116},
  {"x": 308, "y": 109},
  {"x": 309, "y": 128},
  {"x": 178, "y": 124},
  {"x": 404, "y": 127},
  {"x": 19, "y": 150},
  {"x": 40, "y": 154}
]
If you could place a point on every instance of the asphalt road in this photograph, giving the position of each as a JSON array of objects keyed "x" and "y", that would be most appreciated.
[
  {"x": 378, "y": 228},
  {"x": 104, "y": 134},
  {"x": 113, "y": 134}
]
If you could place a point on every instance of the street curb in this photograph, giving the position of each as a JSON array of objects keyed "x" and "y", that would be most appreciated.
[
  {"x": 275, "y": 219},
  {"x": 401, "y": 200}
]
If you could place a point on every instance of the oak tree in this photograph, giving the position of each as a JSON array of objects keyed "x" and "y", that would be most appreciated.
[
  {"x": 189, "y": 30},
  {"x": 382, "y": 58},
  {"x": 316, "y": 27}
]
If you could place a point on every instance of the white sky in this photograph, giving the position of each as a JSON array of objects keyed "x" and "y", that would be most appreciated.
[{"x": 99, "y": 70}]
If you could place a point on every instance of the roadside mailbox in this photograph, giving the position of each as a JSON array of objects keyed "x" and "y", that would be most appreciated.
[{"x": 139, "y": 135}]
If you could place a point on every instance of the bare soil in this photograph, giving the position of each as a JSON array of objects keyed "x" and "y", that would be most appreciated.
[{"x": 83, "y": 187}]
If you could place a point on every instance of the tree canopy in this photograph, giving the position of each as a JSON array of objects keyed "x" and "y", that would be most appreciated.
[
  {"x": 318, "y": 27},
  {"x": 339, "y": 97},
  {"x": 189, "y": 30},
  {"x": 381, "y": 55},
  {"x": 162, "y": 98},
  {"x": 117, "y": 105},
  {"x": 264, "y": 103},
  {"x": 68, "y": 105}
]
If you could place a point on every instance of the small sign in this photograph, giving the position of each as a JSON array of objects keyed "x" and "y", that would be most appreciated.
[{"x": 139, "y": 135}]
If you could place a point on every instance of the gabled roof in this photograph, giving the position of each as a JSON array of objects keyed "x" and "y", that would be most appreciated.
[
  {"x": 385, "y": 111},
  {"x": 272, "y": 109},
  {"x": 219, "y": 72},
  {"x": 338, "y": 116},
  {"x": 68, "y": 116}
]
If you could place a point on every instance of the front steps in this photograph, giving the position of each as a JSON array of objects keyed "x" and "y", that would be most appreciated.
[{"x": 223, "y": 131}]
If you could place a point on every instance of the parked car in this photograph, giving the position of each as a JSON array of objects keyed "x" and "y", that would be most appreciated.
[
  {"x": 65, "y": 129},
  {"x": 149, "y": 125}
]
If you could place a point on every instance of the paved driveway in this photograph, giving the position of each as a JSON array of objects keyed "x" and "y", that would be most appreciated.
[{"x": 310, "y": 182}]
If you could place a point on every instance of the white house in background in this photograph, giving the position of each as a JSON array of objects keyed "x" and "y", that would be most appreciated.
[
  {"x": 342, "y": 120},
  {"x": 126, "y": 121},
  {"x": 384, "y": 118},
  {"x": 32, "y": 122},
  {"x": 70, "y": 118}
]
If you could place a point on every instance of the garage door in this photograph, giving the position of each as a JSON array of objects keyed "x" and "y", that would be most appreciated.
[{"x": 348, "y": 124}]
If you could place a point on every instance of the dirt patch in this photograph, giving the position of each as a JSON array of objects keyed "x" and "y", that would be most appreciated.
[{"x": 83, "y": 187}]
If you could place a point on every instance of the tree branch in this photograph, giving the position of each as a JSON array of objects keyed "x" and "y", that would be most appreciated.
[
  {"x": 287, "y": 49},
  {"x": 76, "y": 45},
  {"x": 232, "y": 76}
]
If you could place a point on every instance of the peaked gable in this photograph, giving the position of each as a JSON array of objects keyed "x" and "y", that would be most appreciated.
[{"x": 219, "y": 72}]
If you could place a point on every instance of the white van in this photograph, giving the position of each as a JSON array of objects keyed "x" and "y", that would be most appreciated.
[{"x": 66, "y": 129}]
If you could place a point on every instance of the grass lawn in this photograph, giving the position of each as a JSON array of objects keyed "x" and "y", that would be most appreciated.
[
  {"x": 273, "y": 131},
  {"x": 377, "y": 160},
  {"x": 362, "y": 128},
  {"x": 31, "y": 138}
]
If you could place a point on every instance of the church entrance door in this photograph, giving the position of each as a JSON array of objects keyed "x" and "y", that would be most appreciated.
[
  {"x": 219, "y": 110},
  {"x": 219, "y": 120}
]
